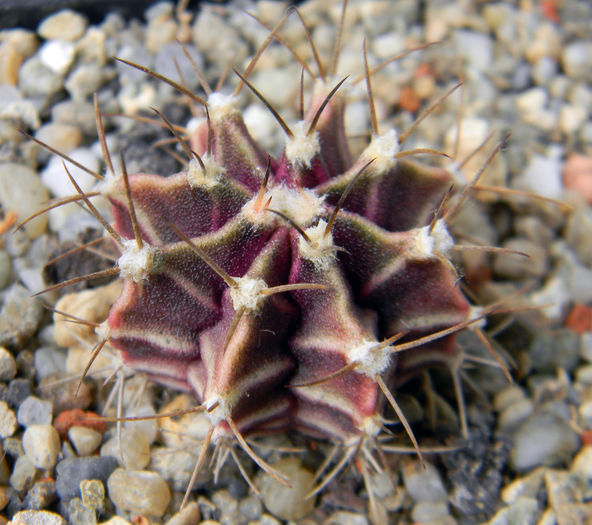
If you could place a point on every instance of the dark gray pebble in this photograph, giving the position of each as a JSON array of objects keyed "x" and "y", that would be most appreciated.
[
  {"x": 18, "y": 390},
  {"x": 70, "y": 472}
]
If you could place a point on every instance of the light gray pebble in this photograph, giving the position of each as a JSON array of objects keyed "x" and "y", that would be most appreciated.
[
  {"x": 534, "y": 229},
  {"x": 41, "y": 444},
  {"x": 164, "y": 63},
  {"x": 423, "y": 484},
  {"x": 475, "y": 48},
  {"x": 23, "y": 474},
  {"x": 514, "y": 415},
  {"x": 287, "y": 503},
  {"x": 19, "y": 317},
  {"x": 533, "y": 263},
  {"x": 507, "y": 397},
  {"x": 542, "y": 175},
  {"x": 584, "y": 375},
  {"x": 188, "y": 516},
  {"x": 525, "y": 511},
  {"x": 36, "y": 79},
  {"x": 37, "y": 517},
  {"x": 176, "y": 466},
  {"x": 49, "y": 361},
  {"x": 7, "y": 365},
  {"x": 381, "y": 484},
  {"x": 544, "y": 439},
  {"x": 346, "y": 518},
  {"x": 137, "y": 54},
  {"x": 576, "y": 59},
  {"x": 557, "y": 349},
  {"x": 5, "y": 268},
  {"x": 428, "y": 511},
  {"x": 18, "y": 243},
  {"x": 134, "y": 448},
  {"x": 65, "y": 24},
  {"x": 85, "y": 80},
  {"x": 544, "y": 71},
  {"x": 34, "y": 411},
  {"x": 251, "y": 507},
  {"x": 226, "y": 504},
  {"x": 85, "y": 440},
  {"x": 77, "y": 113},
  {"x": 578, "y": 231},
  {"x": 139, "y": 491}
]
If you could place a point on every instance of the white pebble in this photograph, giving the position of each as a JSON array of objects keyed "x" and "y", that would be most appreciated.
[
  {"x": 55, "y": 178},
  {"x": 85, "y": 440},
  {"x": 543, "y": 176},
  {"x": 475, "y": 48},
  {"x": 41, "y": 444},
  {"x": 57, "y": 55}
]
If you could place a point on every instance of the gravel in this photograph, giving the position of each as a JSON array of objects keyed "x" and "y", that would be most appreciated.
[{"x": 526, "y": 69}]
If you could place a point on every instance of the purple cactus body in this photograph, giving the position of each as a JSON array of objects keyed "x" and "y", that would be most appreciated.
[{"x": 248, "y": 353}]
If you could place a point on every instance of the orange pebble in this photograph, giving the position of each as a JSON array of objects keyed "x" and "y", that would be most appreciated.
[
  {"x": 586, "y": 438},
  {"x": 408, "y": 100},
  {"x": 79, "y": 418},
  {"x": 577, "y": 175},
  {"x": 579, "y": 319}
]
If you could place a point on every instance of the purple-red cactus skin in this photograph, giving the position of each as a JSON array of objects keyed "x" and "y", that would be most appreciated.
[{"x": 274, "y": 311}]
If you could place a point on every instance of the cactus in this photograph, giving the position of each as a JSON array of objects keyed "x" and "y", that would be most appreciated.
[{"x": 289, "y": 293}]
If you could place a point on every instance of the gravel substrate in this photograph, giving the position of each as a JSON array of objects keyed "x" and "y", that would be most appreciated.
[{"x": 527, "y": 69}]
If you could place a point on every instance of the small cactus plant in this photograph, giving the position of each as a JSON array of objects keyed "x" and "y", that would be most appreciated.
[{"x": 290, "y": 293}]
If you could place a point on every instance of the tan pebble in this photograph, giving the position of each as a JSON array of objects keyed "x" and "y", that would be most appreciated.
[
  {"x": 62, "y": 137},
  {"x": 287, "y": 503},
  {"x": 139, "y": 491},
  {"x": 188, "y": 516},
  {"x": 90, "y": 305},
  {"x": 85, "y": 440},
  {"x": 577, "y": 175},
  {"x": 65, "y": 24},
  {"x": 10, "y": 62},
  {"x": 23, "y": 40},
  {"x": 160, "y": 33},
  {"x": 24, "y": 198},
  {"x": 7, "y": 420},
  {"x": 115, "y": 520}
]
